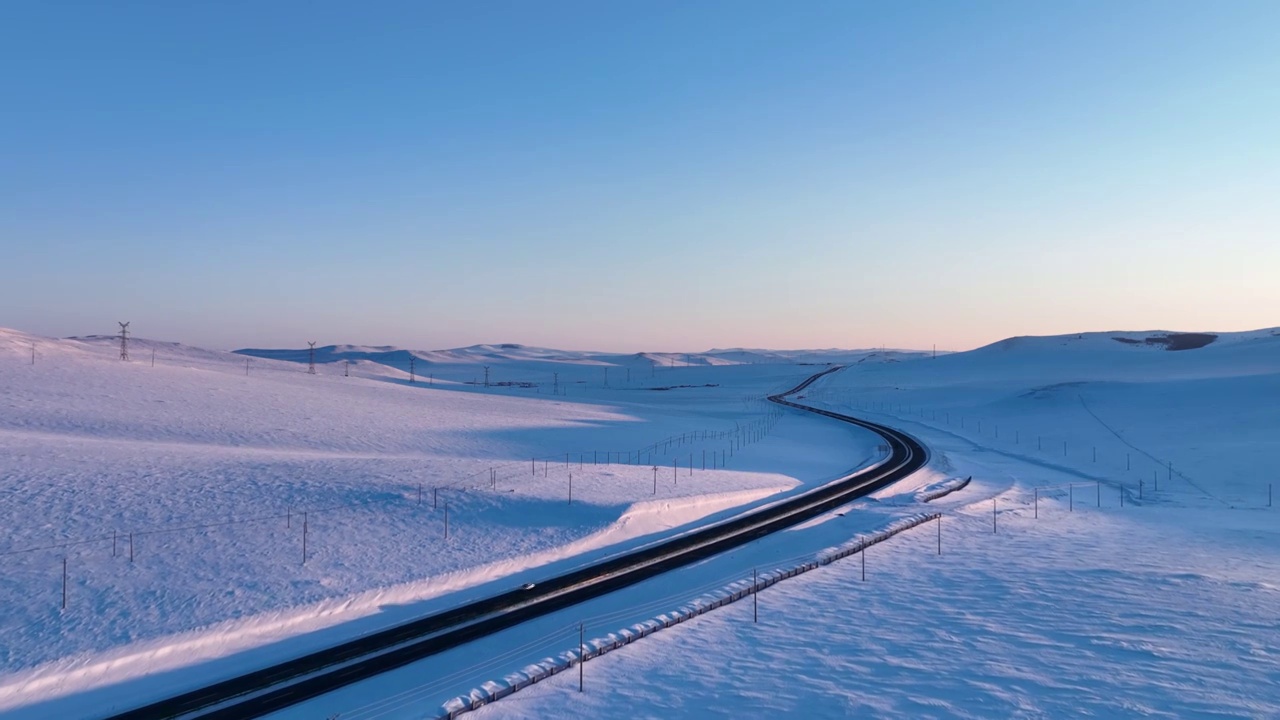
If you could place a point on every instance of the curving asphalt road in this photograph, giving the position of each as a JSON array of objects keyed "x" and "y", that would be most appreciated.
[{"x": 273, "y": 688}]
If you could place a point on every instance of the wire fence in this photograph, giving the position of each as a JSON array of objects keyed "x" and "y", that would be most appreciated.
[
  {"x": 647, "y": 617},
  {"x": 1116, "y": 463}
]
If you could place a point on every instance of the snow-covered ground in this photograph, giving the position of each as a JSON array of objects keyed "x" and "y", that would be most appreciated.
[
  {"x": 178, "y": 493},
  {"x": 1165, "y": 606}
]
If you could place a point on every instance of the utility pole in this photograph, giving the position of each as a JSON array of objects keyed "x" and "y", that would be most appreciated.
[
  {"x": 311, "y": 358},
  {"x": 124, "y": 340},
  {"x": 346, "y": 370},
  {"x": 606, "y": 377}
]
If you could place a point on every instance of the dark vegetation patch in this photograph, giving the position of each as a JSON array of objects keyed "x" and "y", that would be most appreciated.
[
  {"x": 1174, "y": 341},
  {"x": 677, "y": 387}
]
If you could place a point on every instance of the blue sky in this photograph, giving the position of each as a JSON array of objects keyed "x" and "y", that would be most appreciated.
[{"x": 627, "y": 176}]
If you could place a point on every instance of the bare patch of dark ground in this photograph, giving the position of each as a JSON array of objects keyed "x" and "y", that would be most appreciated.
[{"x": 1174, "y": 341}]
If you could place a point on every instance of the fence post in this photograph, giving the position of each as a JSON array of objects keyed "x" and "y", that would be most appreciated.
[
  {"x": 993, "y": 516},
  {"x": 755, "y": 597},
  {"x": 446, "y": 519},
  {"x": 582, "y": 655},
  {"x": 570, "y": 488},
  {"x": 64, "y": 583},
  {"x": 1099, "y": 493},
  {"x": 939, "y": 533},
  {"x": 130, "y": 547},
  {"x": 1037, "y": 503},
  {"x": 863, "y": 554}
]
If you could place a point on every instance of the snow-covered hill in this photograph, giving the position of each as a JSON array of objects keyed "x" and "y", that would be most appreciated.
[
  {"x": 177, "y": 492},
  {"x": 208, "y": 458},
  {"x": 1133, "y": 574}
]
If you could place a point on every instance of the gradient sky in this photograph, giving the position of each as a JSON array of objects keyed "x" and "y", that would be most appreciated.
[{"x": 638, "y": 175}]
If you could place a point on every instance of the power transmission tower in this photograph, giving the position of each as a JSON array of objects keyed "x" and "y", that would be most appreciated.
[
  {"x": 311, "y": 361},
  {"x": 486, "y": 376},
  {"x": 124, "y": 340},
  {"x": 606, "y": 377},
  {"x": 555, "y": 388},
  {"x": 412, "y": 373}
]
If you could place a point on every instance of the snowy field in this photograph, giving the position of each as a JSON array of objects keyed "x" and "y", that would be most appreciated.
[
  {"x": 1076, "y": 606},
  {"x": 178, "y": 493},
  {"x": 1133, "y": 571}
]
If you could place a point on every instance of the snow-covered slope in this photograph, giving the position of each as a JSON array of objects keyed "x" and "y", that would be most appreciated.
[
  {"x": 178, "y": 493},
  {"x": 1115, "y": 556}
]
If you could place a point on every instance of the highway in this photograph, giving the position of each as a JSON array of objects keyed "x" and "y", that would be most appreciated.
[{"x": 273, "y": 688}]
